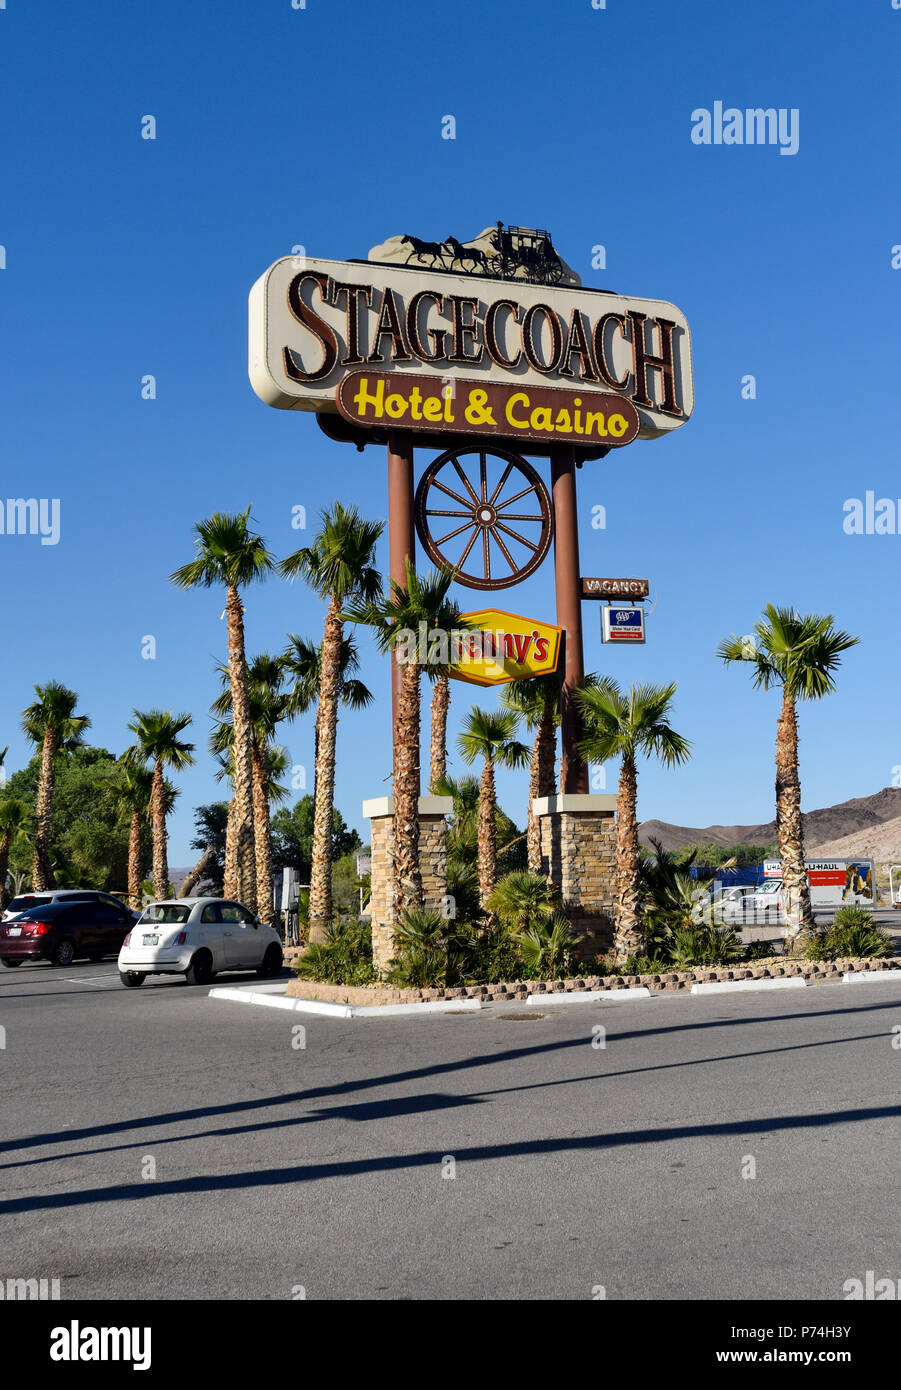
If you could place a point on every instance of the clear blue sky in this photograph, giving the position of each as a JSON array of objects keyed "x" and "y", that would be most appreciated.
[{"x": 322, "y": 126}]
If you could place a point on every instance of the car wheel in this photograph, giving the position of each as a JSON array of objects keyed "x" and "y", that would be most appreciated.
[
  {"x": 271, "y": 963},
  {"x": 64, "y": 953},
  {"x": 11, "y": 961},
  {"x": 131, "y": 979},
  {"x": 200, "y": 971}
]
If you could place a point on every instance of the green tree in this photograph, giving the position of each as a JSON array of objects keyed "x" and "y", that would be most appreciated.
[
  {"x": 15, "y": 831},
  {"x": 210, "y": 827},
  {"x": 293, "y": 833},
  {"x": 52, "y": 725},
  {"x": 395, "y": 623},
  {"x": 158, "y": 741},
  {"x": 617, "y": 724},
  {"x": 228, "y": 553},
  {"x": 797, "y": 655},
  {"x": 339, "y": 567},
  {"x": 491, "y": 737}
]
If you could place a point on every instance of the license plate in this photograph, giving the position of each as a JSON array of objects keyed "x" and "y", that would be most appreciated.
[
  {"x": 151, "y": 940},
  {"x": 15, "y": 931}
]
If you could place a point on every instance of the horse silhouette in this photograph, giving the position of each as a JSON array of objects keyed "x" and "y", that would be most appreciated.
[
  {"x": 462, "y": 253},
  {"x": 433, "y": 249}
]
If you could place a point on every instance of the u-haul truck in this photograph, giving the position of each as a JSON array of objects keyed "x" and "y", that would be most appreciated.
[{"x": 834, "y": 883}]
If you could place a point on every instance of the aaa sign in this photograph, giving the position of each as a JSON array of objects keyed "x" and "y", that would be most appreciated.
[{"x": 506, "y": 647}]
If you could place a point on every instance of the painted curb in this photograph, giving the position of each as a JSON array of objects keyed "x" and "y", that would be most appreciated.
[
  {"x": 589, "y": 996},
  {"x": 329, "y": 1010},
  {"x": 736, "y": 986},
  {"x": 862, "y": 977}
]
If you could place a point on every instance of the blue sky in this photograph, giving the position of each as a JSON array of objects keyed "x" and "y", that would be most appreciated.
[{"x": 322, "y": 127}]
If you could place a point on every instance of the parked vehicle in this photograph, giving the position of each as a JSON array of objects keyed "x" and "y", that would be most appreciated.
[
  {"x": 833, "y": 884},
  {"x": 197, "y": 937},
  {"x": 24, "y": 902},
  {"x": 63, "y": 930}
]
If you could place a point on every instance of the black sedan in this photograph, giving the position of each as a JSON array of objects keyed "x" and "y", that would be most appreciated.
[{"x": 59, "y": 932}]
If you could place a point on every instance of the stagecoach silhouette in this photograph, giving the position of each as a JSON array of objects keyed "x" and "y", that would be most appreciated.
[{"x": 529, "y": 249}]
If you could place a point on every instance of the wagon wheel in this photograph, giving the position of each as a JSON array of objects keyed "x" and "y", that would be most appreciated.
[{"x": 490, "y": 546}]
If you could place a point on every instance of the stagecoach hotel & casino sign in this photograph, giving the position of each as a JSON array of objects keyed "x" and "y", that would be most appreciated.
[{"x": 389, "y": 346}]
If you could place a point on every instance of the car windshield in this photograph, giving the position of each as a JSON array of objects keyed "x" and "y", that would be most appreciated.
[
  {"x": 166, "y": 912},
  {"x": 27, "y": 900}
]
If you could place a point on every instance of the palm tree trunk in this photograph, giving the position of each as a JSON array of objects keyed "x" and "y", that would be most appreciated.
[
  {"x": 4, "y": 866},
  {"x": 160, "y": 849},
  {"x": 262, "y": 831},
  {"x": 42, "y": 872},
  {"x": 407, "y": 874},
  {"x": 134, "y": 861},
  {"x": 542, "y": 780},
  {"x": 438, "y": 749},
  {"x": 245, "y": 884},
  {"x": 324, "y": 777},
  {"x": 628, "y": 939},
  {"x": 487, "y": 833},
  {"x": 795, "y": 889},
  {"x": 187, "y": 885}
]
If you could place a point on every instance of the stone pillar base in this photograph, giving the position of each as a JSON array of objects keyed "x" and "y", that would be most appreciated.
[
  {"x": 432, "y": 859},
  {"x": 578, "y": 855}
]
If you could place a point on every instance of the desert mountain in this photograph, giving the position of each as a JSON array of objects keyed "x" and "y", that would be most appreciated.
[{"x": 821, "y": 828}]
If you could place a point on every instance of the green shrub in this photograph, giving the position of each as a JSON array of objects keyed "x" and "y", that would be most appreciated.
[
  {"x": 522, "y": 899},
  {"x": 852, "y": 932},
  {"x": 548, "y": 948},
  {"x": 430, "y": 951},
  {"x": 344, "y": 958},
  {"x": 648, "y": 964},
  {"x": 707, "y": 945}
]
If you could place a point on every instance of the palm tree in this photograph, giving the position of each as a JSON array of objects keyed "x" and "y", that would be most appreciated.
[
  {"x": 537, "y": 701},
  {"x": 302, "y": 660},
  {"x": 490, "y": 735},
  {"x": 438, "y": 741},
  {"x": 395, "y": 621},
  {"x": 623, "y": 725},
  {"x": 227, "y": 552},
  {"x": 132, "y": 793},
  {"x": 52, "y": 725},
  {"x": 157, "y": 740},
  {"x": 339, "y": 567},
  {"x": 797, "y": 654},
  {"x": 268, "y": 705},
  {"x": 15, "y": 831},
  {"x": 522, "y": 898}
]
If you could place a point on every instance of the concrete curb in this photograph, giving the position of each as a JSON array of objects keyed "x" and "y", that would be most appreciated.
[
  {"x": 590, "y": 996},
  {"x": 861, "y": 977},
  {"x": 735, "y": 986},
  {"x": 321, "y": 1006}
]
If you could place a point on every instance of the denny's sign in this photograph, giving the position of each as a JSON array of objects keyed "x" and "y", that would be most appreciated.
[
  {"x": 388, "y": 345},
  {"x": 500, "y": 647}
]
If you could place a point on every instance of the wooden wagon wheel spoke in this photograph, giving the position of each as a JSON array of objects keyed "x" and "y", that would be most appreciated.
[
  {"x": 515, "y": 498},
  {"x": 450, "y": 535},
  {"x": 504, "y": 551},
  {"x": 455, "y": 495},
  {"x": 516, "y": 536},
  {"x": 469, "y": 545},
  {"x": 465, "y": 481},
  {"x": 504, "y": 476},
  {"x": 484, "y": 517}
]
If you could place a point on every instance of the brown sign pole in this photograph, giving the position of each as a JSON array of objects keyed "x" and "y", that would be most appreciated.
[
  {"x": 573, "y": 771},
  {"x": 401, "y": 541}
]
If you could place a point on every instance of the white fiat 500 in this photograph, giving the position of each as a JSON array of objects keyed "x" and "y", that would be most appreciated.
[{"x": 197, "y": 937}]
